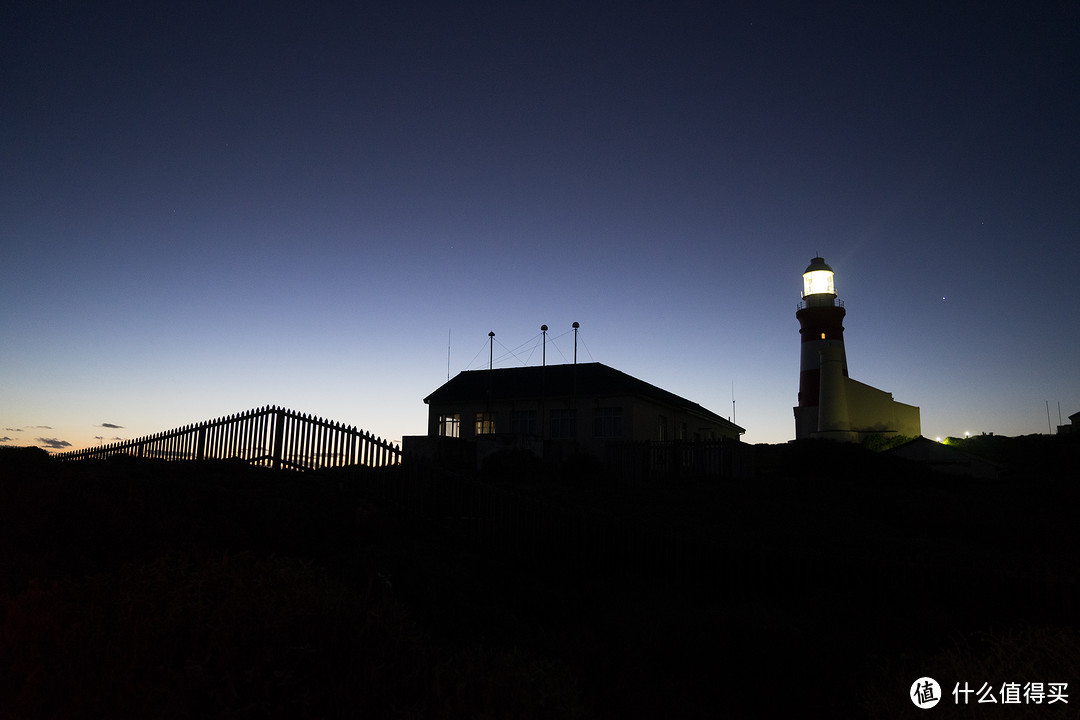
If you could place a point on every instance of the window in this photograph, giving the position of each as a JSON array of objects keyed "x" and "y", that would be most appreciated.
[
  {"x": 607, "y": 422},
  {"x": 450, "y": 425},
  {"x": 523, "y": 422},
  {"x": 662, "y": 430},
  {"x": 563, "y": 423},
  {"x": 485, "y": 424},
  {"x": 682, "y": 431}
]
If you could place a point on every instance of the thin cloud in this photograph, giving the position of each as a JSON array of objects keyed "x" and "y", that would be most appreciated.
[
  {"x": 5, "y": 439},
  {"x": 111, "y": 426},
  {"x": 12, "y": 429},
  {"x": 41, "y": 427},
  {"x": 53, "y": 443}
]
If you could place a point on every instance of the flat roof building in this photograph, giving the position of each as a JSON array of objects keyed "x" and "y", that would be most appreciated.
[{"x": 558, "y": 411}]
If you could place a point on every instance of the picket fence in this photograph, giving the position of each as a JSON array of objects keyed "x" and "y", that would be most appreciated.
[{"x": 271, "y": 436}]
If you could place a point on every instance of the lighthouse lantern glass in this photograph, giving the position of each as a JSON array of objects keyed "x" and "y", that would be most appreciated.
[{"x": 818, "y": 281}]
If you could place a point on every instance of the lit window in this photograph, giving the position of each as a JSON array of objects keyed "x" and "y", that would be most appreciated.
[
  {"x": 485, "y": 424},
  {"x": 450, "y": 425},
  {"x": 822, "y": 336}
]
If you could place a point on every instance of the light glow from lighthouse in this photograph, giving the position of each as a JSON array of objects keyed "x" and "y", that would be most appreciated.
[{"x": 818, "y": 282}]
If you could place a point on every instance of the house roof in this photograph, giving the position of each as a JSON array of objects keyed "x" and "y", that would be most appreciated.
[{"x": 559, "y": 381}]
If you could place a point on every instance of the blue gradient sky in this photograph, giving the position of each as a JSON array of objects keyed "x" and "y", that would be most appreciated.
[{"x": 205, "y": 210}]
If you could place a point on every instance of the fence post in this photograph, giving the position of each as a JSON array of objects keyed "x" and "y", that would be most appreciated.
[{"x": 279, "y": 437}]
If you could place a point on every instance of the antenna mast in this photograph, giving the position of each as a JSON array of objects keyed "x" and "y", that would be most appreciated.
[
  {"x": 543, "y": 329},
  {"x": 491, "y": 348},
  {"x": 576, "y": 326}
]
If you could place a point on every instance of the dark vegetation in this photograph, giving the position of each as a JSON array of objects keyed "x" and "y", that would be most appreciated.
[
  {"x": 878, "y": 443},
  {"x": 823, "y": 586}
]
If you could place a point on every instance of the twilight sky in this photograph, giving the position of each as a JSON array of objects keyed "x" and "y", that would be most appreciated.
[{"x": 206, "y": 208}]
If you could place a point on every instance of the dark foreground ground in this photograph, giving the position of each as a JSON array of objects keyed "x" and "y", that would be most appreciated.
[{"x": 823, "y": 587}]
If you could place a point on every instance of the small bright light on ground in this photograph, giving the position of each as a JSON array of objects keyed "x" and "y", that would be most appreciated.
[{"x": 938, "y": 438}]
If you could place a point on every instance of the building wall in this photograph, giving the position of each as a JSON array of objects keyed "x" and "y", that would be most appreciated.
[
  {"x": 908, "y": 419},
  {"x": 874, "y": 411},
  {"x": 680, "y": 424},
  {"x": 870, "y": 411},
  {"x": 639, "y": 420},
  {"x": 806, "y": 419},
  {"x": 1073, "y": 426}
]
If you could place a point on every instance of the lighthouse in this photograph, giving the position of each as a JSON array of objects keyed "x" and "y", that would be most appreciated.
[
  {"x": 832, "y": 405},
  {"x": 822, "y": 398}
]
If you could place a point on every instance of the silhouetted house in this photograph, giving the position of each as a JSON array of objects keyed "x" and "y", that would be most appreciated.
[
  {"x": 947, "y": 459},
  {"x": 1073, "y": 426},
  {"x": 561, "y": 410}
]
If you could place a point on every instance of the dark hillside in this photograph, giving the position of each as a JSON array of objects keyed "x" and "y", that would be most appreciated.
[
  {"x": 134, "y": 588},
  {"x": 1037, "y": 457}
]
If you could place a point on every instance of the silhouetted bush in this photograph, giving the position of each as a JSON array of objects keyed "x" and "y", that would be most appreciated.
[
  {"x": 239, "y": 636},
  {"x": 584, "y": 469},
  {"x": 138, "y": 588},
  {"x": 219, "y": 589},
  {"x": 880, "y": 443},
  {"x": 1028, "y": 654},
  {"x": 1045, "y": 457},
  {"x": 23, "y": 464},
  {"x": 513, "y": 465}
]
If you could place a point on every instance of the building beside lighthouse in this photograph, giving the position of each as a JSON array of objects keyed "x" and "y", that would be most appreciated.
[
  {"x": 831, "y": 404},
  {"x": 631, "y": 429}
]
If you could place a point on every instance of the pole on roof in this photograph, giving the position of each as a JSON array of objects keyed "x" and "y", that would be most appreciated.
[
  {"x": 575, "y": 326},
  {"x": 491, "y": 348},
  {"x": 543, "y": 355}
]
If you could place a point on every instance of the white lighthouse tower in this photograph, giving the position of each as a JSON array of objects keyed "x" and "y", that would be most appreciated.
[
  {"x": 832, "y": 405},
  {"x": 823, "y": 408}
]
